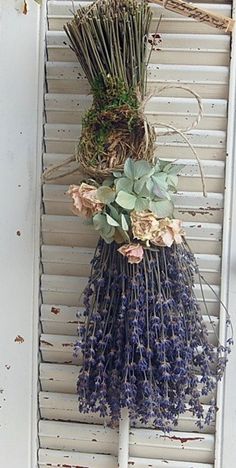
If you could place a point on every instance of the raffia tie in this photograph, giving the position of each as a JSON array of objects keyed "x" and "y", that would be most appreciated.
[{"x": 49, "y": 174}]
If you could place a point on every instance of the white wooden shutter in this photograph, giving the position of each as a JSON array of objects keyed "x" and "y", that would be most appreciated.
[{"x": 191, "y": 54}]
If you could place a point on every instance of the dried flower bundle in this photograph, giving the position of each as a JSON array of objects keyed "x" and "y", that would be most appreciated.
[
  {"x": 144, "y": 344},
  {"x": 144, "y": 340}
]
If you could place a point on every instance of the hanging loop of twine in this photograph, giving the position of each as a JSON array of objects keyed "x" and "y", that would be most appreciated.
[
  {"x": 181, "y": 131},
  {"x": 50, "y": 173}
]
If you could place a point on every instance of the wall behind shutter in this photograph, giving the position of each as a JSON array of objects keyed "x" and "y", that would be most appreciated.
[{"x": 193, "y": 55}]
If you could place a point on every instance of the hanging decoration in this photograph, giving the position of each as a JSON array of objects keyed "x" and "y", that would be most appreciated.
[{"x": 144, "y": 344}]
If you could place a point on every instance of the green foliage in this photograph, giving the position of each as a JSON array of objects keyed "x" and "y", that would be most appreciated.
[
  {"x": 141, "y": 187},
  {"x": 106, "y": 195},
  {"x": 111, "y": 221},
  {"x": 162, "y": 208},
  {"x": 141, "y": 204},
  {"x": 101, "y": 224},
  {"x": 147, "y": 184},
  {"x": 124, "y": 223},
  {"x": 123, "y": 183},
  {"x": 114, "y": 106},
  {"x": 113, "y": 95},
  {"x": 126, "y": 200}
]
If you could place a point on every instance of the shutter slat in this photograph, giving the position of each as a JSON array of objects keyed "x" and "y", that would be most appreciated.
[
  {"x": 60, "y": 459},
  {"x": 70, "y": 109},
  {"x": 178, "y": 48},
  {"x": 75, "y": 261},
  {"x": 62, "y": 378},
  {"x": 63, "y": 459},
  {"x": 184, "y": 446},
  {"x": 71, "y": 231},
  {"x": 60, "y": 343},
  {"x": 67, "y": 290},
  {"x": 189, "y": 180},
  {"x": 212, "y": 169},
  {"x": 176, "y": 41},
  {"x": 181, "y": 446},
  {"x": 64, "y": 320},
  {"x": 64, "y": 7},
  {"x": 61, "y": 12},
  {"x": 68, "y": 231},
  {"x": 63, "y": 138},
  {"x": 148, "y": 462},
  {"x": 56, "y": 406},
  {"x": 208, "y": 81},
  {"x": 188, "y": 205},
  {"x": 80, "y": 437}
]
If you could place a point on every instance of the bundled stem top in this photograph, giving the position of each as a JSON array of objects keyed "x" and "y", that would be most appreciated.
[{"x": 110, "y": 40}]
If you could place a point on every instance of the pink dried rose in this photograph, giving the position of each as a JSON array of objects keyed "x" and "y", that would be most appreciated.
[
  {"x": 85, "y": 199},
  {"x": 170, "y": 231},
  {"x": 144, "y": 225},
  {"x": 133, "y": 252}
]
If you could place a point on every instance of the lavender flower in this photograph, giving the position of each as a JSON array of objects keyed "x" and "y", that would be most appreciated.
[{"x": 144, "y": 340}]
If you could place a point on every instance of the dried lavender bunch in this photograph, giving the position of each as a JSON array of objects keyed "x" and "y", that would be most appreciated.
[
  {"x": 144, "y": 341},
  {"x": 110, "y": 39}
]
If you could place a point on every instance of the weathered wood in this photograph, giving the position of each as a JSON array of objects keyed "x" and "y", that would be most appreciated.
[{"x": 203, "y": 16}]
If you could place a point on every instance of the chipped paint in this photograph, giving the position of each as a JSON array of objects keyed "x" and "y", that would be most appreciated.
[
  {"x": 55, "y": 310},
  {"x": 155, "y": 41},
  {"x": 19, "y": 339},
  {"x": 73, "y": 466},
  {"x": 25, "y": 8},
  {"x": 46, "y": 343},
  {"x": 182, "y": 440}
]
